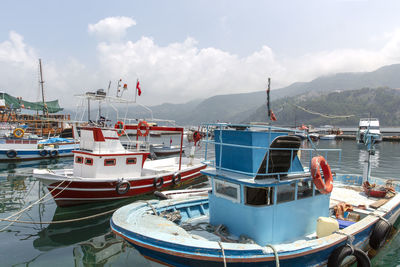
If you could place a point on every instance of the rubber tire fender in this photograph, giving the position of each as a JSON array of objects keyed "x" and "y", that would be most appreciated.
[
  {"x": 379, "y": 234},
  {"x": 53, "y": 153},
  {"x": 176, "y": 178},
  {"x": 158, "y": 182},
  {"x": 122, "y": 192},
  {"x": 340, "y": 253},
  {"x": 11, "y": 153},
  {"x": 43, "y": 153}
]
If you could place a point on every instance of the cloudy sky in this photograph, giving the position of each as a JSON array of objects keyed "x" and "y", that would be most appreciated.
[{"x": 182, "y": 49}]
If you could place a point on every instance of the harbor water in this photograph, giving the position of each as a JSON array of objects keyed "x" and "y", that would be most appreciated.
[{"x": 90, "y": 242}]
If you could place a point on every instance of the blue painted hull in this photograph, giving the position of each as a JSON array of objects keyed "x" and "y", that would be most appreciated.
[{"x": 180, "y": 255}]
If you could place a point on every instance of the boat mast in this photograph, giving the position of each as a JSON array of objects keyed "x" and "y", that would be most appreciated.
[{"x": 42, "y": 88}]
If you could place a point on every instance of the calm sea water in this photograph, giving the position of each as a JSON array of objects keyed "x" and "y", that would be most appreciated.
[{"x": 91, "y": 243}]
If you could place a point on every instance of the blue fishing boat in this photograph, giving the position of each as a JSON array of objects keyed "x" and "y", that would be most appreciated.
[{"x": 270, "y": 205}]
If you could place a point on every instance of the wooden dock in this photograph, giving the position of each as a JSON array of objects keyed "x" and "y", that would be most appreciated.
[{"x": 393, "y": 138}]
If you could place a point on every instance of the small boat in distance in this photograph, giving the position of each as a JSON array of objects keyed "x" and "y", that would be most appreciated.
[{"x": 371, "y": 126}]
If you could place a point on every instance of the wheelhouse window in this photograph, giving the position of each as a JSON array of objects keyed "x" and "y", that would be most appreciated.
[
  {"x": 109, "y": 162},
  {"x": 227, "y": 190},
  {"x": 259, "y": 196},
  {"x": 130, "y": 161},
  {"x": 286, "y": 192},
  {"x": 79, "y": 160},
  {"x": 88, "y": 161},
  {"x": 304, "y": 189}
]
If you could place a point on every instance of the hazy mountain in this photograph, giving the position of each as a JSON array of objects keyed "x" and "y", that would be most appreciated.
[
  {"x": 241, "y": 107},
  {"x": 381, "y": 103}
]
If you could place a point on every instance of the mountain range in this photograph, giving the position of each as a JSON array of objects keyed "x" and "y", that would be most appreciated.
[{"x": 237, "y": 108}]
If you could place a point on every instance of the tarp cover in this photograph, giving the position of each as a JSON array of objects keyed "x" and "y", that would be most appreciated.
[
  {"x": 13, "y": 102},
  {"x": 56, "y": 140}
]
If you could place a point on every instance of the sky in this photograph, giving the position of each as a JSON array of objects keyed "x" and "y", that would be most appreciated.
[{"x": 181, "y": 50}]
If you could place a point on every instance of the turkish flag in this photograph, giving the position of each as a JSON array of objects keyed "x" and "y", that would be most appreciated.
[{"x": 138, "y": 88}]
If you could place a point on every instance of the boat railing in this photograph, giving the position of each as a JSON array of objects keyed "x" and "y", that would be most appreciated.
[
  {"x": 305, "y": 155},
  {"x": 136, "y": 146}
]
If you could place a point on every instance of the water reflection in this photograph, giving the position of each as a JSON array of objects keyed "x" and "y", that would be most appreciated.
[
  {"x": 363, "y": 158},
  {"x": 99, "y": 250}
]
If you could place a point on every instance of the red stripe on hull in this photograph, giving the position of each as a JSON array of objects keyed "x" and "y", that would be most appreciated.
[{"x": 70, "y": 197}]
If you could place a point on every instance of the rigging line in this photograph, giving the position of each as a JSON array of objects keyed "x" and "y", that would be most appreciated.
[{"x": 321, "y": 114}]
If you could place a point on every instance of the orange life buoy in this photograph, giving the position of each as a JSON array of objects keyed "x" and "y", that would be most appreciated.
[
  {"x": 196, "y": 137},
  {"x": 147, "y": 128},
  {"x": 326, "y": 186},
  {"x": 120, "y": 128}
]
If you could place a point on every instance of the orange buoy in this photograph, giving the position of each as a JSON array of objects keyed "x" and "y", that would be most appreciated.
[
  {"x": 325, "y": 186},
  {"x": 147, "y": 128},
  {"x": 120, "y": 128}
]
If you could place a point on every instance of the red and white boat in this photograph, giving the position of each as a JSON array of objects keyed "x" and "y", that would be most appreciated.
[{"x": 104, "y": 169}]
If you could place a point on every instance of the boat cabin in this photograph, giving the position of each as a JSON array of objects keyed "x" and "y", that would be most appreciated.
[
  {"x": 102, "y": 155},
  {"x": 260, "y": 187}
]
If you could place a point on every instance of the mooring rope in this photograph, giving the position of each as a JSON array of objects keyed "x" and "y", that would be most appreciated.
[
  {"x": 223, "y": 252},
  {"x": 62, "y": 221},
  {"x": 275, "y": 253},
  {"x": 7, "y": 219}
]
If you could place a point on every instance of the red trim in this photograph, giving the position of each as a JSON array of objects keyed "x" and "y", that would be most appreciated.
[
  {"x": 112, "y": 138},
  {"x": 112, "y": 161},
  {"x": 156, "y": 128},
  {"x": 98, "y": 135},
  {"x": 145, "y": 154},
  {"x": 86, "y": 163},
  {"x": 135, "y": 160}
]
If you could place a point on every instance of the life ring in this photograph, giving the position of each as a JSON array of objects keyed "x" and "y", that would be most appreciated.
[
  {"x": 379, "y": 234},
  {"x": 18, "y": 132},
  {"x": 158, "y": 182},
  {"x": 196, "y": 137},
  {"x": 53, "y": 153},
  {"x": 11, "y": 153},
  {"x": 176, "y": 178},
  {"x": 338, "y": 255},
  {"x": 43, "y": 153},
  {"x": 122, "y": 187},
  {"x": 120, "y": 128},
  {"x": 147, "y": 128},
  {"x": 326, "y": 186}
]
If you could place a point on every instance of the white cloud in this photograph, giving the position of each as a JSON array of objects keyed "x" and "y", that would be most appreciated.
[
  {"x": 111, "y": 28},
  {"x": 178, "y": 72}
]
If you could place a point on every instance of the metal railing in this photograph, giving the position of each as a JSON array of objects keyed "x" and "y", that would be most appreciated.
[{"x": 305, "y": 155}]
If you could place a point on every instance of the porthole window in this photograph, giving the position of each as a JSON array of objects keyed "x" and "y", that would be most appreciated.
[
  {"x": 130, "y": 161},
  {"x": 109, "y": 162},
  {"x": 88, "y": 161},
  {"x": 79, "y": 160}
]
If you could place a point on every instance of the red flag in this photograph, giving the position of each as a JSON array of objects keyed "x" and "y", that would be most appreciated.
[{"x": 138, "y": 88}]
